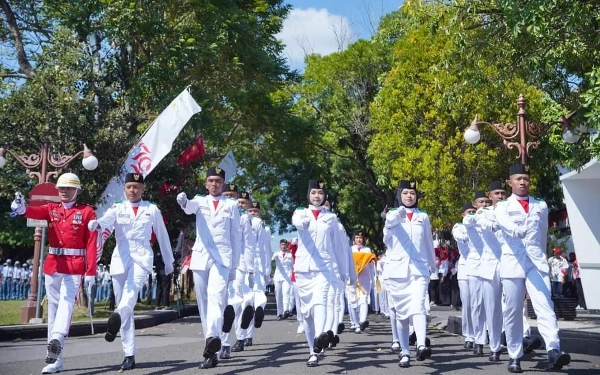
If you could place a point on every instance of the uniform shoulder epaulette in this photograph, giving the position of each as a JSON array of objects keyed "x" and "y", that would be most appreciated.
[
  {"x": 458, "y": 223},
  {"x": 300, "y": 208},
  {"x": 422, "y": 210},
  {"x": 118, "y": 202},
  {"x": 154, "y": 203},
  {"x": 393, "y": 209},
  {"x": 199, "y": 195},
  {"x": 231, "y": 199}
]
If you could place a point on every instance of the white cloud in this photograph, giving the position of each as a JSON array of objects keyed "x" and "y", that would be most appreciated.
[{"x": 311, "y": 30}]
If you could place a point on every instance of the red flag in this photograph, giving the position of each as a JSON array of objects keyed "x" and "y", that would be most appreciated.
[{"x": 193, "y": 152}]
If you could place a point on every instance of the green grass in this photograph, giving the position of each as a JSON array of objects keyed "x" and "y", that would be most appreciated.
[{"x": 10, "y": 311}]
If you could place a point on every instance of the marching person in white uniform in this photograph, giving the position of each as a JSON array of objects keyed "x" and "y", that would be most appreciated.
[
  {"x": 487, "y": 275},
  {"x": 215, "y": 257},
  {"x": 460, "y": 235},
  {"x": 282, "y": 279},
  {"x": 475, "y": 275},
  {"x": 410, "y": 262},
  {"x": 364, "y": 280},
  {"x": 239, "y": 291},
  {"x": 315, "y": 266},
  {"x": 134, "y": 220},
  {"x": 524, "y": 268}
]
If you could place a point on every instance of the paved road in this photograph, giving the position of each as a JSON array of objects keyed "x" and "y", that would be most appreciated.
[{"x": 175, "y": 348}]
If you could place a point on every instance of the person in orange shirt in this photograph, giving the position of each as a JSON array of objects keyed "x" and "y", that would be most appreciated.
[{"x": 71, "y": 255}]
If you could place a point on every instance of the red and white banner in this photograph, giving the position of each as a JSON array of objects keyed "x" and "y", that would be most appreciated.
[{"x": 154, "y": 145}]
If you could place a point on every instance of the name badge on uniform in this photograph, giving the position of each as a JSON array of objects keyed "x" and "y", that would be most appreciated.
[
  {"x": 513, "y": 213},
  {"x": 123, "y": 218},
  {"x": 78, "y": 218}
]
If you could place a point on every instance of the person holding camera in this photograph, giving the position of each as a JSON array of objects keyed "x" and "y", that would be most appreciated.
[{"x": 134, "y": 220}]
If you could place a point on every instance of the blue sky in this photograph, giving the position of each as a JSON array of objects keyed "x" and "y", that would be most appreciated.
[{"x": 327, "y": 26}]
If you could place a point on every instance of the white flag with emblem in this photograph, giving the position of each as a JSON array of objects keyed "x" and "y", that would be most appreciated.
[
  {"x": 229, "y": 165},
  {"x": 154, "y": 145}
]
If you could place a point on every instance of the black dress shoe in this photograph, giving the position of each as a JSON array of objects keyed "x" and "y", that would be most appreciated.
[
  {"x": 228, "y": 318},
  {"x": 225, "y": 352},
  {"x": 469, "y": 344},
  {"x": 313, "y": 361},
  {"x": 279, "y": 317},
  {"x": 556, "y": 359},
  {"x": 395, "y": 347},
  {"x": 238, "y": 346},
  {"x": 404, "y": 361},
  {"x": 412, "y": 339},
  {"x": 364, "y": 325},
  {"x": 495, "y": 357},
  {"x": 321, "y": 342},
  {"x": 112, "y": 327},
  {"x": 478, "y": 349},
  {"x": 341, "y": 327},
  {"x": 209, "y": 362},
  {"x": 212, "y": 346},
  {"x": 330, "y": 337},
  {"x": 514, "y": 365},
  {"x": 259, "y": 316},
  {"x": 128, "y": 364},
  {"x": 247, "y": 316},
  {"x": 248, "y": 342},
  {"x": 53, "y": 352},
  {"x": 423, "y": 353},
  {"x": 531, "y": 343}
]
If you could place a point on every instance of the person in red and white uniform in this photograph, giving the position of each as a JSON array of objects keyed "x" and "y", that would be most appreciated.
[
  {"x": 71, "y": 255},
  {"x": 134, "y": 221}
]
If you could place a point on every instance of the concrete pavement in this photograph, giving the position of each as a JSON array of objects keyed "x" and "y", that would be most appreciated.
[{"x": 176, "y": 347}]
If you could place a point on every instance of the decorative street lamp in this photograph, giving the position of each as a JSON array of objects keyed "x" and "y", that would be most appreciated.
[
  {"x": 33, "y": 161},
  {"x": 523, "y": 128}
]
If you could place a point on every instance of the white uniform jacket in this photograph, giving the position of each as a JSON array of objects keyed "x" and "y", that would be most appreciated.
[
  {"x": 218, "y": 232},
  {"x": 409, "y": 245},
  {"x": 459, "y": 232},
  {"x": 319, "y": 242},
  {"x": 258, "y": 237},
  {"x": 475, "y": 243},
  {"x": 133, "y": 233},
  {"x": 525, "y": 236},
  {"x": 283, "y": 266},
  {"x": 346, "y": 251}
]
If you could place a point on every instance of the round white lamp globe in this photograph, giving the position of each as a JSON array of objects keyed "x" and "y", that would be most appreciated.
[
  {"x": 90, "y": 163},
  {"x": 472, "y": 136}
]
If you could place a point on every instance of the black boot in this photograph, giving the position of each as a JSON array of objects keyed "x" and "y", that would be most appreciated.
[
  {"x": 228, "y": 317},
  {"x": 210, "y": 362},
  {"x": 341, "y": 327},
  {"x": 556, "y": 359},
  {"x": 211, "y": 348},
  {"x": 530, "y": 344},
  {"x": 225, "y": 352},
  {"x": 248, "y": 342},
  {"x": 478, "y": 349},
  {"x": 331, "y": 339},
  {"x": 412, "y": 339},
  {"x": 321, "y": 342},
  {"x": 128, "y": 364},
  {"x": 423, "y": 353},
  {"x": 247, "y": 316},
  {"x": 238, "y": 346},
  {"x": 364, "y": 325},
  {"x": 112, "y": 327},
  {"x": 514, "y": 365},
  {"x": 259, "y": 315},
  {"x": 495, "y": 357}
]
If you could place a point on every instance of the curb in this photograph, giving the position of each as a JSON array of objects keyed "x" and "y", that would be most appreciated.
[
  {"x": 149, "y": 319},
  {"x": 571, "y": 340}
]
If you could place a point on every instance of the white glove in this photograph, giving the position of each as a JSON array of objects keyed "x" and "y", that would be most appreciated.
[
  {"x": 521, "y": 231},
  {"x": 182, "y": 199},
  {"x": 305, "y": 223},
  {"x": 402, "y": 212},
  {"x": 89, "y": 281},
  {"x": 93, "y": 225},
  {"x": 18, "y": 205},
  {"x": 168, "y": 269},
  {"x": 469, "y": 220},
  {"x": 295, "y": 241}
]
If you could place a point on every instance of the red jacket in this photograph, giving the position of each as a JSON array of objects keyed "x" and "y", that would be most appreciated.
[{"x": 68, "y": 228}]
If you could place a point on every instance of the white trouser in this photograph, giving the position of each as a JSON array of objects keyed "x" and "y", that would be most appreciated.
[
  {"x": 526, "y": 326},
  {"x": 492, "y": 302},
  {"x": 127, "y": 287},
  {"x": 297, "y": 303},
  {"x": 237, "y": 301},
  {"x": 211, "y": 292},
  {"x": 477, "y": 309},
  {"x": 283, "y": 296},
  {"x": 467, "y": 321},
  {"x": 383, "y": 303},
  {"x": 333, "y": 298},
  {"x": 341, "y": 302},
  {"x": 537, "y": 285},
  {"x": 61, "y": 290}
]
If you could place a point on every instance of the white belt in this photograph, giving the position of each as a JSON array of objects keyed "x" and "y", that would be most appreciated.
[{"x": 63, "y": 251}]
